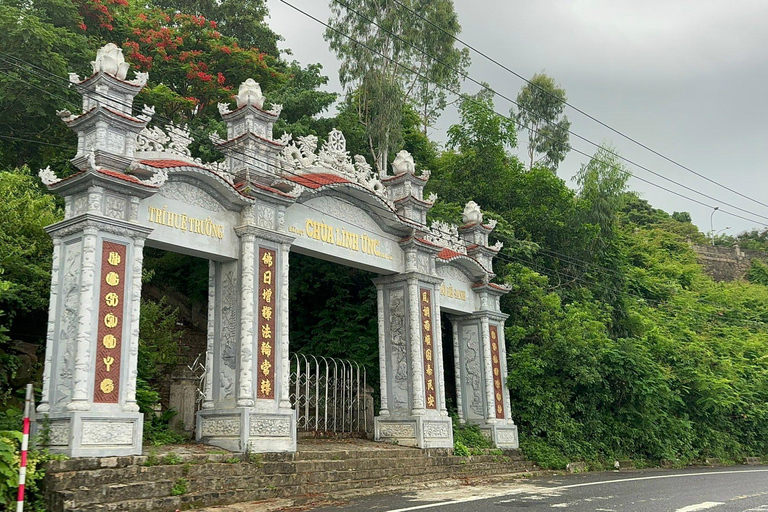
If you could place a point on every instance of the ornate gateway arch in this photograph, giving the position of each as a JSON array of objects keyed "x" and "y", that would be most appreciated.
[{"x": 139, "y": 186}]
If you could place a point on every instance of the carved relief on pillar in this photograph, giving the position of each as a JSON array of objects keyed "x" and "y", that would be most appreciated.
[
  {"x": 70, "y": 300},
  {"x": 110, "y": 327},
  {"x": 428, "y": 349},
  {"x": 399, "y": 357},
  {"x": 265, "y": 386},
  {"x": 228, "y": 330},
  {"x": 497, "y": 376},
  {"x": 473, "y": 370}
]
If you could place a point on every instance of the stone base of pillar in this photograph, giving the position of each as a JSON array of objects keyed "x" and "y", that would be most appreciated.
[
  {"x": 503, "y": 435},
  {"x": 243, "y": 429},
  {"x": 92, "y": 434},
  {"x": 419, "y": 431}
]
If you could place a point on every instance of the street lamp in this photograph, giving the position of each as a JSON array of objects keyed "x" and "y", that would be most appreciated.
[{"x": 711, "y": 225}]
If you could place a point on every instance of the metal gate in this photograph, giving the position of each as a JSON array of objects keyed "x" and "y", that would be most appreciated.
[{"x": 329, "y": 394}]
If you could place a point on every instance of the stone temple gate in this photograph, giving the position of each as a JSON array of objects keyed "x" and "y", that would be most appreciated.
[{"x": 139, "y": 186}]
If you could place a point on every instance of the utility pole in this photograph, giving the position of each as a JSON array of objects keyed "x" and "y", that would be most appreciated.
[{"x": 712, "y": 226}]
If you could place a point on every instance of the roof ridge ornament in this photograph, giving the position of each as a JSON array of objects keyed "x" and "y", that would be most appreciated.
[
  {"x": 446, "y": 235},
  {"x": 249, "y": 93},
  {"x": 333, "y": 155},
  {"x": 110, "y": 60},
  {"x": 472, "y": 213},
  {"x": 48, "y": 176}
]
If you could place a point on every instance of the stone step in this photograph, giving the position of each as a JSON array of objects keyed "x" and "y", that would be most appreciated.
[
  {"x": 212, "y": 498},
  {"x": 193, "y": 467},
  {"x": 315, "y": 480}
]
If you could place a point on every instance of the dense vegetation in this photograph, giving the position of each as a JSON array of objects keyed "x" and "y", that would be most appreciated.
[{"x": 619, "y": 344}]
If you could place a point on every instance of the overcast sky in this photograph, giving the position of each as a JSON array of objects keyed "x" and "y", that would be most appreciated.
[{"x": 685, "y": 77}]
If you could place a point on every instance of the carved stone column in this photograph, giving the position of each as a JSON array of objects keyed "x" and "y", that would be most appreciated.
[
  {"x": 89, "y": 382},
  {"x": 410, "y": 347},
  {"x": 251, "y": 407},
  {"x": 481, "y": 374}
]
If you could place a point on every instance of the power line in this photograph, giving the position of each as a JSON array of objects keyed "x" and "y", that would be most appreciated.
[
  {"x": 586, "y": 114},
  {"x": 591, "y": 157}
]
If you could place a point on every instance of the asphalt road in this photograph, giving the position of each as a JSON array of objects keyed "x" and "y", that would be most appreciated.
[{"x": 740, "y": 489}]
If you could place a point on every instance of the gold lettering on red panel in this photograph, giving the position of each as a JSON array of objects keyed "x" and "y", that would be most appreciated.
[
  {"x": 428, "y": 348},
  {"x": 266, "y": 314},
  {"x": 498, "y": 392},
  {"x": 110, "y": 327}
]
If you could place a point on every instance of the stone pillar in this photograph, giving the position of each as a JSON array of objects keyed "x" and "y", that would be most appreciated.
[
  {"x": 250, "y": 408},
  {"x": 89, "y": 383},
  {"x": 409, "y": 352},
  {"x": 481, "y": 372}
]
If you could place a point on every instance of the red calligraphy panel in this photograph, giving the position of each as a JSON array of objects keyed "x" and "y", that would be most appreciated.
[
  {"x": 428, "y": 347},
  {"x": 266, "y": 313},
  {"x": 110, "y": 330},
  {"x": 498, "y": 392}
]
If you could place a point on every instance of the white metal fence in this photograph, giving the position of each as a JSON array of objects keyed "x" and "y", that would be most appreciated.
[{"x": 329, "y": 394}]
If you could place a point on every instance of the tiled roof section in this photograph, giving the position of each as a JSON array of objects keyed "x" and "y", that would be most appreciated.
[
  {"x": 254, "y": 106},
  {"x": 270, "y": 141},
  {"x": 492, "y": 285},
  {"x": 85, "y": 80},
  {"x": 125, "y": 177},
  {"x": 167, "y": 164},
  {"x": 425, "y": 241},
  {"x": 118, "y": 113},
  {"x": 447, "y": 254},
  {"x": 317, "y": 180},
  {"x": 390, "y": 178}
]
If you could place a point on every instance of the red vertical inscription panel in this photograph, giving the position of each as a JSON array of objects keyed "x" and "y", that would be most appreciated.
[
  {"x": 428, "y": 348},
  {"x": 265, "y": 387},
  {"x": 110, "y": 330},
  {"x": 496, "y": 366}
]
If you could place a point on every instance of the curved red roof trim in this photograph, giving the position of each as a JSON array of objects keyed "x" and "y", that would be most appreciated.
[{"x": 315, "y": 181}]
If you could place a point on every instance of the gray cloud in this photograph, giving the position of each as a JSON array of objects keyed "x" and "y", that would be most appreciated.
[{"x": 685, "y": 77}]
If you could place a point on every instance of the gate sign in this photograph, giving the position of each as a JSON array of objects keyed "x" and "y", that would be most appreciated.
[{"x": 321, "y": 228}]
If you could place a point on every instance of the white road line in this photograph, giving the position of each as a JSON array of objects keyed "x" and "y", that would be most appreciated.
[
  {"x": 587, "y": 484},
  {"x": 700, "y": 506}
]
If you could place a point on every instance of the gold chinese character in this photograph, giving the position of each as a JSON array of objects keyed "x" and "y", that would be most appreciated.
[
  {"x": 107, "y": 386},
  {"x": 266, "y": 294},
  {"x": 429, "y": 370},
  {"x": 496, "y": 372},
  {"x": 112, "y": 279},
  {"x": 499, "y": 409},
  {"x": 425, "y": 311},
  {"x": 428, "y": 354},
  {"x": 431, "y": 401},
  {"x": 109, "y": 341},
  {"x": 427, "y": 325},
  {"x": 497, "y": 383},
  {"x": 267, "y": 259},
  {"x": 110, "y": 320},
  {"x": 493, "y": 335},
  {"x": 111, "y": 299},
  {"x": 498, "y": 396},
  {"x": 267, "y": 278},
  {"x": 428, "y": 339},
  {"x": 266, "y": 312},
  {"x": 114, "y": 258},
  {"x": 266, "y": 349},
  {"x": 266, "y": 332},
  {"x": 108, "y": 362},
  {"x": 266, "y": 387},
  {"x": 495, "y": 359},
  {"x": 430, "y": 385},
  {"x": 494, "y": 346},
  {"x": 424, "y": 297},
  {"x": 265, "y": 367}
]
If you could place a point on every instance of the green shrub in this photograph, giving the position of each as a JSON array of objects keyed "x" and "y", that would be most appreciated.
[
  {"x": 10, "y": 447},
  {"x": 180, "y": 487}
]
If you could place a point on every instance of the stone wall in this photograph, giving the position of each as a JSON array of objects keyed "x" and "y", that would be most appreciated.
[{"x": 727, "y": 263}]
